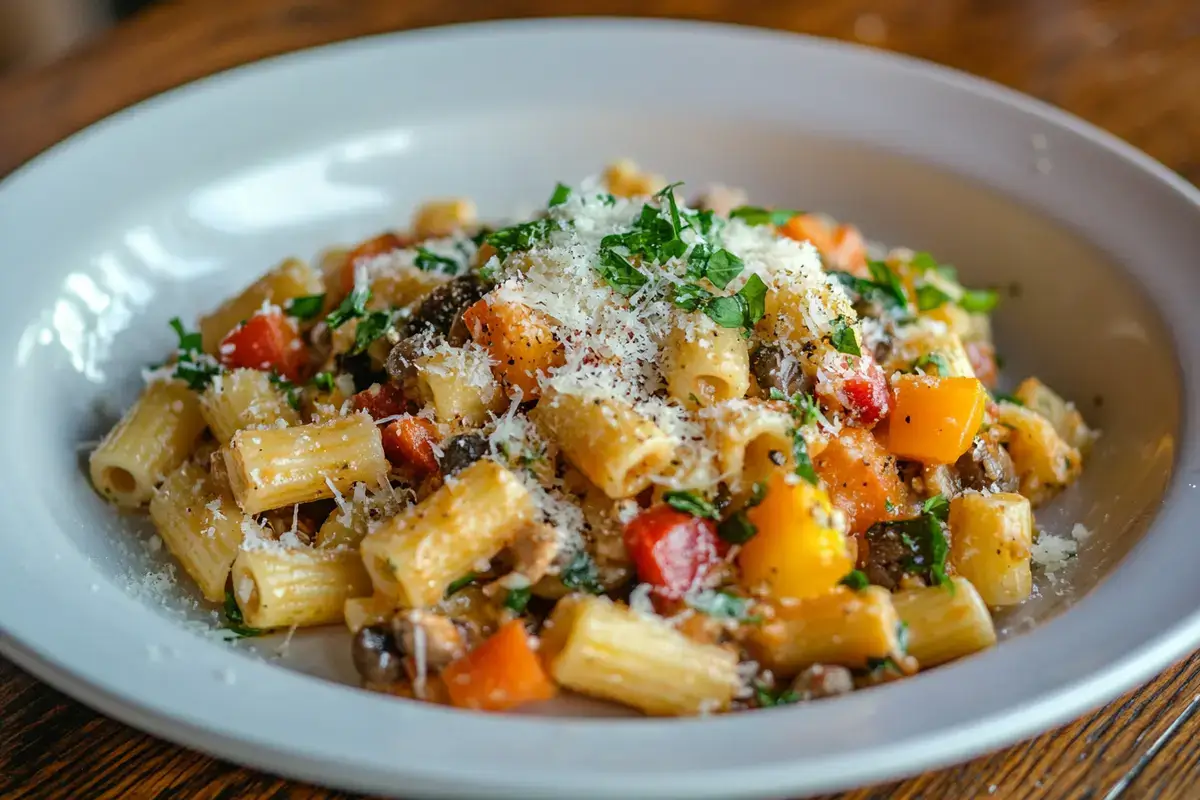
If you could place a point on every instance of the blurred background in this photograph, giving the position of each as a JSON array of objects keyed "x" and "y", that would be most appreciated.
[{"x": 35, "y": 31}]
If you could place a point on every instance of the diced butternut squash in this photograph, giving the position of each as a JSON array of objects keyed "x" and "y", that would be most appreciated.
[
  {"x": 1045, "y": 463},
  {"x": 1066, "y": 419},
  {"x": 861, "y": 478},
  {"x": 934, "y": 419},
  {"x": 501, "y": 673},
  {"x": 991, "y": 540},
  {"x": 797, "y": 550},
  {"x": 520, "y": 342}
]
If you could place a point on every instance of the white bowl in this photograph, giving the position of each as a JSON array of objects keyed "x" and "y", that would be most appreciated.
[{"x": 169, "y": 206}]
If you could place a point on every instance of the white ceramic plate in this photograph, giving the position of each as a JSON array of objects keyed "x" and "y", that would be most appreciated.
[{"x": 169, "y": 206}]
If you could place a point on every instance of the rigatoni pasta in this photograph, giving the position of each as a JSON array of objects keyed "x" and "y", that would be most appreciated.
[{"x": 689, "y": 458}]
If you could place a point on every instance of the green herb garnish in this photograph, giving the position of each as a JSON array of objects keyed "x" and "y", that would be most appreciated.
[
  {"x": 723, "y": 266},
  {"x": 519, "y": 238},
  {"x": 724, "y": 605},
  {"x": 1002, "y": 397},
  {"x": 561, "y": 193},
  {"x": 288, "y": 389},
  {"x": 581, "y": 574},
  {"x": 622, "y": 276},
  {"x": 457, "y": 586},
  {"x": 305, "y": 308},
  {"x": 804, "y": 465},
  {"x": 689, "y": 296},
  {"x": 888, "y": 282},
  {"x": 691, "y": 503},
  {"x": 192, "y": 365},
  {"x": 741, "y": 310},
  {"x": 354, "y": 306},
  {"x": 429, "y": 261},
  {"x": 234, "y": 621},
  {"x": 517, "y": 599},
  {"x": 768, "y": 698},
  {"x": 930, "y": 297},
  {"x": 856, "y": 579},
  {"x": 843, "y": 338},
  {"x": 323, "y": 381},
  {"x": 737, "y": 527},
  {"x": 754, "y": 215},
  {"x": 937, "y": 506},
  {"x": 370, "y": 328},
  {"x": 979, "y": 301},
  {"x": 937, "y": 361}
]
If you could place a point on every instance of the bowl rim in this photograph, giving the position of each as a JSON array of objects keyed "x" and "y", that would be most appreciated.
[{"x": 1050, "y": 700}]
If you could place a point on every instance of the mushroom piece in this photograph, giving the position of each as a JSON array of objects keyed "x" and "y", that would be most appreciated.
[
  {"x": 535, "y": 551},
  {"x": 889, "y": 555},
  {"x": 987, "y": 466},
  {"x": 460, "y": 452},
  {"x": 823, "y": 680},
  {"x": 440, "y": 307},
  {"x": 424, "y": 634},
  {"x": 775, "y": 369},
  {"x": 377, "y": 657}
]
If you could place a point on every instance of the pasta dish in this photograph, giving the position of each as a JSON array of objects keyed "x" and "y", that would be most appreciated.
[{"x": 686, "y": 456}]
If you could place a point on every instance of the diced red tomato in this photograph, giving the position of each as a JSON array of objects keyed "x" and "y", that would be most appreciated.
[
  {"x": 865, "y": 395},
  {"x": 410, "y": 441},
  {"x": 378, "y": 246},
  {"x": 982, "y": 356},
  {"x": 381, "y": 400},
  {"x": 672, "y": 550},
  {"x": 268, "y": 341}
]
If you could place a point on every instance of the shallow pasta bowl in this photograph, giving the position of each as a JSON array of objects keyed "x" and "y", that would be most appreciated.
[{"x": 165, "y": 208}]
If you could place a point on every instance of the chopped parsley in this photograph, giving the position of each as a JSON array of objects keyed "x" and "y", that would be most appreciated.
[
  {"x": 856, "y": 579},
  {"x": 804, "y": 465},
  {"x": 691, "y": 503},
  {"x": 354, "y": 306},
  {"x": 979, "y": 301},
  {"x": 193, "y": 366},
  {"x": 933, "y": 364},
  {"x": 754, "y": 215},
  {"x": 930, "y": 297},
  {"x": 561, "y": 193},
  {"x": 581, "y": 574},
  {"x": 843, "y": 338},
  {"x": 428, "y": 261},
  {"x": 724, "y": 605},
  {"x": 323, "y": 381},
  {"x": 519, "y": 238},
  {"x": 937, "y": 506},
  {"x": 305, "y": 308},
  {"x": 234, "y": 621},
  {"x": 765, "y": 697},
  {"x": 517, "y": 599},
  {"x": 457, "y": 586},
  {"x": 621, "y": 275},
  {"x": 870, "y": 291},
  {"x": 689, "y": 296},
  {"x": 370, "y": 328},
  {"x": 289, "y": 390},
  {"x": 925, "y": 538},
  {"x": 804, "y": 407}
]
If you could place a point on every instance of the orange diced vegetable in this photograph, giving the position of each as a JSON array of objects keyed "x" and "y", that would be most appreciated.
[
  {"x": 410, "y": 440},
  {"x": 381, "y": 400},
  {"x": 842, "y": 246},
  {"x": 520, "y": 342},
  {"x": 501, "y": 673},
  {"x": 810, "y": 228},
  {"x": 267, "y": 341},
  {"x": 371, "y": 248},
  {"x": 934, "y": 420},
  {"x": 982, "y": 356},
  {"x": 862, "y": 479},
  {"x": 796, "y": 551}
]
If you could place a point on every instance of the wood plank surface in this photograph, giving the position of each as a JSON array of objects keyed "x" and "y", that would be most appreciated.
[{"x": 1131, "y": 67}]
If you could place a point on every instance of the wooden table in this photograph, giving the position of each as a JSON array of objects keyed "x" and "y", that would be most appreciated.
[{"x": 1131, "y": 66}]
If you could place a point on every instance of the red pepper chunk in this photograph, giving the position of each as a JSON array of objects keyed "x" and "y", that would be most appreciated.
[
  {"x": 381, "y": 400},
  {"x": 866, "y": 395},
  {"x": 371, "y": 248},
  {"x": 410, "y": 440},
  {"x": 268, "y": 341},
  {"x": 672, "y": 550}
]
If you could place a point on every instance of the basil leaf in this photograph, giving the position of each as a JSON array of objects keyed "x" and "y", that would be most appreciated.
[
  {"x": 667, "y": 193},
  {"x": 856, "y": 579},
  {"x": 804, "y": 465},
  {"x": 754, "y": 292},
  {"x": 305, "y": 308},
  {"x": 192, "y": 365},
  {"x": 843, "y": 338},
  {"x": 728, "y": 312},
  {"x": 723, "y": 266},
  {"x": 691, "y": 503},
  {"x": 370, "y": 328},
  {"x": 519, "y": 238},
  {"x": 457, "y": 586},
  {"x": 355, "y": 305},
  {"x": 937, "y": 506},
  {"x": 188, "y": 342},
  {"x": 979, "y": 301},
  {"x": 431, "y": 262},
  {"x": 888, "y": 282},
  {"x": 581, "y": 574},
  {"x": 930, "y": 297},
  {"x": 561, "y": 193},
  {"x": 689, "y": 296},
  {"x": 323, "y": 381},
  {"x": 620, "y": 274},
  {"x": 724, "y": 605},
  {"x": 736, "y": 528},
  {"x": 754, "y": 215},
  {"x": 697, "y": 263},
  {"x": 517, "y": 599},
  {"x": 234, "y": 621}
]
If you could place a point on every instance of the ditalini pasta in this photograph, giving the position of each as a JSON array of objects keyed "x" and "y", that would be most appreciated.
[{"x": 687, "y": 457}]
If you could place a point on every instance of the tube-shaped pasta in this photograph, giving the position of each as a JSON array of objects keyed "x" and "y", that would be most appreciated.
[
  {"x": 752, "y": 439},
  {"x": 944, "y": 623},
  {"x": 705, "y": 364},
  {"x": 154, "y": 437},
  {"x": 241, "y": 399},
  {"x": 617, "y": 448},
  {"x": 277, "y": 587},
  {"x": 402, "y": 286},
  {"x": 283, "y": 466},
  {"x": 842, "y": 627},
  {"x": 599, "y": 648},
  {"x": 934, "y": 347},
  {"x": 200, "y": 525},
  {"x": 991, "y": 541},
  {"x": 417, "y": 554},
  {"x": 443, "y": 217},
  {"x": 1065, "y": 418},
  {"x": 458, "y": 383},
  {"x": 291, "y": 279},
  {"x": 359, "y": 612},
  {"x": 1045, "y": 463}
]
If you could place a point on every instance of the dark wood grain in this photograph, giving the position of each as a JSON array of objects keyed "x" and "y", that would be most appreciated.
[{"x": 1130, "y": 66}]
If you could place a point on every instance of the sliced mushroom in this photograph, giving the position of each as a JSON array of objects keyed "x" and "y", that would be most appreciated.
[
  {"x": 424, "y": 634},
  {"x": 888, "y": 555},
  {"x": 377, "y": 657},
  {"x": 440, "y": 307},
  {"x": 987, "y": 466},
  {"x": 775, "y": 369},
  {"x": 941, "y": 479},
  {"x": 823, "y": 680}
]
